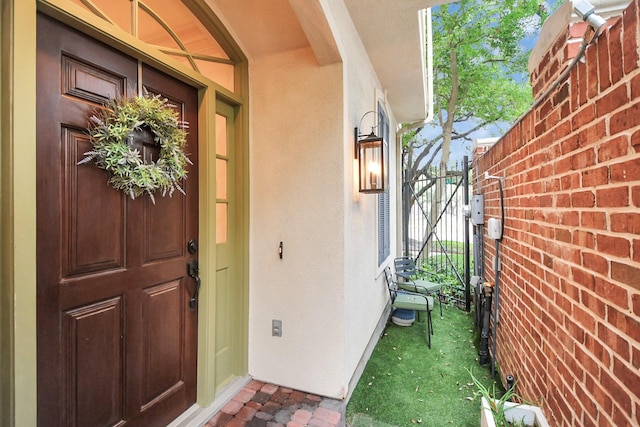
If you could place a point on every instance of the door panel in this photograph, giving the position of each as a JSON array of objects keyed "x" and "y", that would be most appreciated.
[
  {"x": 102, "y": 356},
  {"x": 116, "y": 338},
  {"x": 163, "y": 339},
  {"x": 85, "y": 201}
]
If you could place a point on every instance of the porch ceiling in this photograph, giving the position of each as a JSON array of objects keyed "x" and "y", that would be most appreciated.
[{"x": 392, "y": 32}]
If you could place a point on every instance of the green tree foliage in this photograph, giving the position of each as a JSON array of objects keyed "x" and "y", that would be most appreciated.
[{"x": 480, "y": 74}]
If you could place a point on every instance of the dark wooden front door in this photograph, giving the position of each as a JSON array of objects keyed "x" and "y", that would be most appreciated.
[{"x": 117, "y": 340}]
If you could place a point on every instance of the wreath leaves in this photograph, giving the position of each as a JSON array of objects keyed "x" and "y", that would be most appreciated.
[{"x": 111, "y": 129}]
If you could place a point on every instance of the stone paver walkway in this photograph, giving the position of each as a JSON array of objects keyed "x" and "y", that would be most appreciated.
[{"x": 261, "y": 404}]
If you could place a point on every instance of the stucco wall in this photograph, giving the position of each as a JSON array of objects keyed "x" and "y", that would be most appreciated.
[
  {"x": 328, "y": 288},
  {"x": 296, "y": 197}
]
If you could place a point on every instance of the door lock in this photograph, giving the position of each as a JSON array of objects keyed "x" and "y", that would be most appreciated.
[
  {"x": 192, "y": 246},
  {"x": 193, "y": 272}
]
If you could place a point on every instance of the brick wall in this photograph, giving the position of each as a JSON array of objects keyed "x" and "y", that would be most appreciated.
[{"x": 570, "y": 285}]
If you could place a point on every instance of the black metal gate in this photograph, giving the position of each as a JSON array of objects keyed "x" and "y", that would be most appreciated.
[{"x": 436, "y": 230}]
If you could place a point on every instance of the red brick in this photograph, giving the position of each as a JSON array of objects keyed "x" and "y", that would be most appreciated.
[
  {"x": 219, "y": 419},
  {"x": 625, "y": 119},
  {"x": 585, "y": 322},
  {"x": 604, "y": 76},
  {"x": 586, "y": 115},
  {"x": 585, "y": 239},
  {"x": 629, "y": 38},
  {"x": 595, "y": 176},
  {"x": 585, "y": 399},
  {"x": 620, "y": 418},
  {"x": 619, "y": 396},
  {"x": 583, "y": 159},
  {"x": 327, "y": 415},
  {"x": 315, "y": 422},
  {"x": 615, "y": 52},
  {"x": 596, "y": 220},
  {"x": 612, "y": 340},
  {"x": 269, "y": 388},
  {"x": 244, "y": 395},
  {"x": 635, "y": 137},
  {"x": 600, "y": 352},
  {"x": 612, "y": 101},
  {"x": 625, "y": 273},
  {"x": 246, "y": 413},
  {"x": 599, "y": 395},
  {"x": 635, "y": 87},
  {"x": 629, "y": 378},
  {"x": 617, "y": 147},
  {"x": 626, "y": 171},
  {"x": 626, "y": 223},
  {"x": 301, "y": 416},
  {"x": 577, "y": 30},
  {"x": 592, "y": 73},
  {"x": 636, "y": 250},
  {"x": 593, "y": 303},
  {"x": 616, "y": 246},
  {"x": 583, "y": 199},
  {"x": 635, "y": 195},
  {"x": 635, "y": 300},
  {"x": 562, "y": 166},
  {"x": 595, "y": 263},
  {"x": 571, "y": 218},
  {"x": 583, "y": 278},
  {"x": 615, "y": 294},
  {"x": 232, "y": 407},
  {"x": 613, "y": 197},
  {"x": 563, "y": 200},
  {"x": 255, "y": 385}
]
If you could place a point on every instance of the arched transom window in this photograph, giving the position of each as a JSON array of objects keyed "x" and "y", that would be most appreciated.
[{"x": 172, "y": 27}]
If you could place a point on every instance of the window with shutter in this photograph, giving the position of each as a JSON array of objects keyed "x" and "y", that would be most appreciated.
[{"x": 384, "y": 238}]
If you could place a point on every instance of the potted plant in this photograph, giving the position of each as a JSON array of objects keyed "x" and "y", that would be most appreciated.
[{"x": 503, "y": 412}]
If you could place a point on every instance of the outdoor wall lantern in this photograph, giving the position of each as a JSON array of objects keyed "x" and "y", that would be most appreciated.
[{"x": 369, "y": 152}]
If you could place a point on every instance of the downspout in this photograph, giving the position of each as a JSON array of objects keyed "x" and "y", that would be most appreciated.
[{"x": 429, "y": 107}]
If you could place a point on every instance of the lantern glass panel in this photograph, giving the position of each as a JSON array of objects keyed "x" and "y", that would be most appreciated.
[{"x": 371, "y": 161}]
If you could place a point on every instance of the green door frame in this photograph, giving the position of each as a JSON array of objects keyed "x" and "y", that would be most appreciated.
[{"x": 18, "y": 191}]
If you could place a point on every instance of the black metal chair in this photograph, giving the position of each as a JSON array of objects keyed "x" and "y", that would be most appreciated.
[
  {"x": 407, "y": 272},
  {"x": 401, "y": 299}
]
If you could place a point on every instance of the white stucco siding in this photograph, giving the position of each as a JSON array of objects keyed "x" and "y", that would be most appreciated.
[
  {"x": 328, "y": 289},
  {"x": 297, "y": 176},
  {"x": 365, "y": 289},
  {"x": 365, "y": 294}
]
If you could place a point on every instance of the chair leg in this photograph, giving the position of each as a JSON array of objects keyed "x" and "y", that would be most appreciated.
[{"x": 429, "y": 328}]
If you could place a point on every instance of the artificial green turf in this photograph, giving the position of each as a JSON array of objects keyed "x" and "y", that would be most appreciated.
[{"x": 406, "y": 384}]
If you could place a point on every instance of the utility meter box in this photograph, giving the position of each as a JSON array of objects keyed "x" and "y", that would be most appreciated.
[
  {"x": 494, "y": 228},
  {"x": 477, "y": 209}
]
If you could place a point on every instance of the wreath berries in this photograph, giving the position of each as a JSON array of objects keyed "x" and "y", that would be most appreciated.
[{"x": 111, "y": 130}]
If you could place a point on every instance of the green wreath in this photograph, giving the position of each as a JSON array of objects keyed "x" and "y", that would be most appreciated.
[{"x": 111, "y": 130}]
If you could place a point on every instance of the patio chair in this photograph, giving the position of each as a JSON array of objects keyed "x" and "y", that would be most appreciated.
[
  {"x": 401, "y": 299},
  {"x": 407, "y": 272}
]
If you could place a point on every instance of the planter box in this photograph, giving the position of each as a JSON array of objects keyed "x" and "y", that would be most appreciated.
[{"x": 531, "y": 415}]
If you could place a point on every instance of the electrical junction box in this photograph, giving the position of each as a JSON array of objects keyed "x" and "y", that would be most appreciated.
[
  {"x": 477, "y": 209},
  {"x": 494, "y": 228}
]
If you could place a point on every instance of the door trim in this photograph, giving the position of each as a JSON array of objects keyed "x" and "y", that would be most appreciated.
[{"x": 18, "y": 195}]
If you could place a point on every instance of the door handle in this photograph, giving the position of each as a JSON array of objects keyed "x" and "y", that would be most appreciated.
[{"x": 193, "y": 271}]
